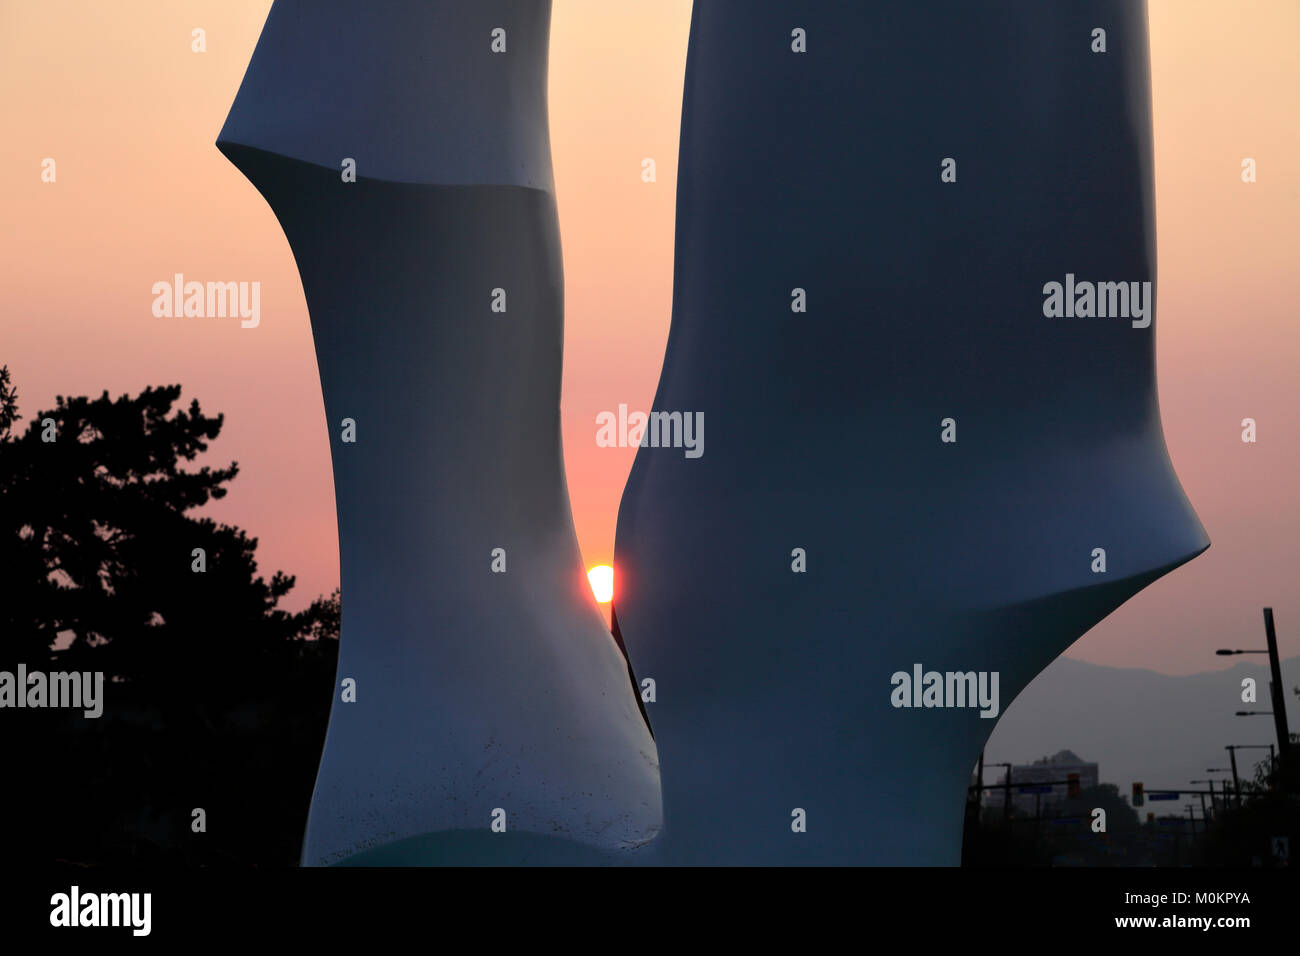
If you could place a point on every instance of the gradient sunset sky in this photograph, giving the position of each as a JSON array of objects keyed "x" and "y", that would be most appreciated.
[{"x": 115, "y": 95}]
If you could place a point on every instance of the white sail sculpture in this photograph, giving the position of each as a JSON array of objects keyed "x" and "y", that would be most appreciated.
[
  {"x": 915, "y": 266},
  {"x": 483, "y": 713}
]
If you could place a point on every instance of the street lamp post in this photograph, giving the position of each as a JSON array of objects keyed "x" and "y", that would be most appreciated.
[
  {"x": 1276, "y": 691},
  {"x": 1232, "y": 771},
  {"x": 1202, "y": 795},
  {"x": 1232, "y": 752},
  {"x": 1279, "y": 692}
]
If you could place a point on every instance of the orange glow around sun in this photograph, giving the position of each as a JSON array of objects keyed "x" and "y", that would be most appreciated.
[{"x": 602, "y": 583}]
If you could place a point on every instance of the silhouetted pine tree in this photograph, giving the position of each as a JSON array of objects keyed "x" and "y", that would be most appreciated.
[{"x": 215, "y": 698}]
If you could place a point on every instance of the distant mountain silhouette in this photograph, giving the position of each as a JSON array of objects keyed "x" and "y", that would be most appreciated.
[{"x": 1141, "y": 725}]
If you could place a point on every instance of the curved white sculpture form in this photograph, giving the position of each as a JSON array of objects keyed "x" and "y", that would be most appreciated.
[
  {"x": 488, "y": 692},
  {"x": 968, "y": 466}
]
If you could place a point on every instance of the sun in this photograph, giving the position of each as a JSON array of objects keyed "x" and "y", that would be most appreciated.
[{"x": 602, "y": 583}]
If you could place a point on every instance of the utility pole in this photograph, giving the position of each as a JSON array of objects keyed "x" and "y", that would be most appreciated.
[
  {"x": 1279, "y": 692},
  {"x": 1236, "y": 782}
]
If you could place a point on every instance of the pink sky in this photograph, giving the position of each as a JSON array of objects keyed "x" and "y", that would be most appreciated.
[{"x": 115, "y": 95}]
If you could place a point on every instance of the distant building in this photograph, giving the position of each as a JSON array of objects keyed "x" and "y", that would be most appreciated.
[{"x": 1041, "y": 772}]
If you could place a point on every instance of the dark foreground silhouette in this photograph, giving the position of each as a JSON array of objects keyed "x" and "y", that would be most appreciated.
[{"x": 215, "y": 699}]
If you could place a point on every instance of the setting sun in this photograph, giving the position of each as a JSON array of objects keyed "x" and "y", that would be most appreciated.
[{"x": 602, "y": 583}]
